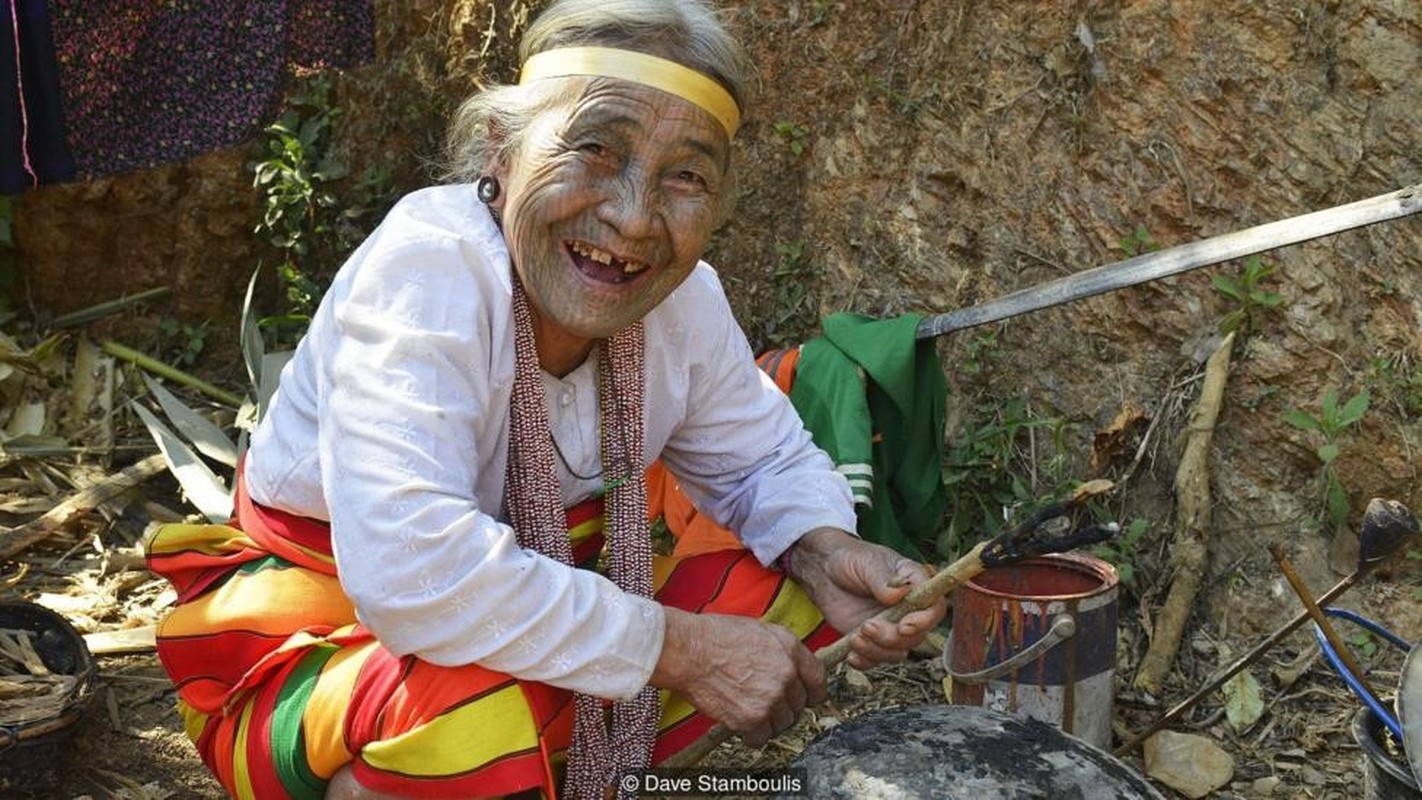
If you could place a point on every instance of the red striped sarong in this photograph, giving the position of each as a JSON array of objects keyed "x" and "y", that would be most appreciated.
[{"x": 280, "y": 687}]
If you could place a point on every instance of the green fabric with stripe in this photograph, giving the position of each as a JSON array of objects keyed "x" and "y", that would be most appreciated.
[{"x": 867, "y": 378}]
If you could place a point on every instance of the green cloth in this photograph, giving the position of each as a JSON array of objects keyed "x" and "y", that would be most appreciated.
[{"x": 874, "y": 397}]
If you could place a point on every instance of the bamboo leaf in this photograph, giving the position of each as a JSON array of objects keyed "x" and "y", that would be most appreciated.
[
  {"x": 272, "y": 364},
  {"x": 26, "y": 419},
  {"x": 207, "y": 437},
  {"x": 204, "y": 489},
  {"x": 250, "y": 334}
]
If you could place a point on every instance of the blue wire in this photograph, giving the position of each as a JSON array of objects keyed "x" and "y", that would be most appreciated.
[{"x": 1353, "y": 681}]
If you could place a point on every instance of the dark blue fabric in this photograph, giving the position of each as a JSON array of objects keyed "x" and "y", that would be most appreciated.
[{"x": 37, "y": 128}]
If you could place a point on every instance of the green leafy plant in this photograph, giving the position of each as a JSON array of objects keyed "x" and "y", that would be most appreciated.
[
  {"x": 793, "y": 134},
  {"x": 1330, "y": 423},
  {"x": 793, "y": 315},
  {"x": 989, "y": 472},
  {"x": 312, "y": 226},
  {"x": 1397, "y": 378},
  {"x": 1120, "y": 552},
  {"x": 1250, "y": 297},
  {"x": 293, "y": 180},
  {"x": 182, "y": 343},
  {"x": 979, "y": 352},
  {"x": 1364, "y": 643},
  {"x": 1138, "y": 242}
]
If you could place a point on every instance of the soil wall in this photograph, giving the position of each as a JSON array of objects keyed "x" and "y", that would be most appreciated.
[{"x": 924, "y": 156}]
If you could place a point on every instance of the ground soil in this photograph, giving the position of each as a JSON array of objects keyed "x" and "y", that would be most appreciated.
[{"x": 915, "y": 157}]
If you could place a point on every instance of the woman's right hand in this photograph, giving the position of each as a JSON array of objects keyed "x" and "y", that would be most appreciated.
[{"x": 752, "y": 677}]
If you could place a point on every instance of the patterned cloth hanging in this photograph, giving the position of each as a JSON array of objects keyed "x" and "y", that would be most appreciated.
[{"x": 120, "y": 85}]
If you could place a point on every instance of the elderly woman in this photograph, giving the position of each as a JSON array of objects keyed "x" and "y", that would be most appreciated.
[{"x": 439, "y": 576}]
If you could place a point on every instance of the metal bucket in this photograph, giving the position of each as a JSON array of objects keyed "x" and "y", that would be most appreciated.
[{"x": 1038, "y": 639}]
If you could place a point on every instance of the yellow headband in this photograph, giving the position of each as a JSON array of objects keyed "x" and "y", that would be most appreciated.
[{"x": 629, "y": 65}]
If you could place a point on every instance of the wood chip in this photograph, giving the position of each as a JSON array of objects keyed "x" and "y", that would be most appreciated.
[
  {"x": 16, "y": 647},
  {"x": 28, "y": 690}
]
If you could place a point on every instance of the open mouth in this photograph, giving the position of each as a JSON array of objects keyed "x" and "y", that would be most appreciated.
[{"x": 601, "y": 265}]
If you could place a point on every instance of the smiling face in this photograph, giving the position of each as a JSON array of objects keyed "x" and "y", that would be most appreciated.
[{"x": 607, "y": 206}]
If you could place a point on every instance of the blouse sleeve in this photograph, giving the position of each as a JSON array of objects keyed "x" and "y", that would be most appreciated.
[{"x": 742, "y": 454}]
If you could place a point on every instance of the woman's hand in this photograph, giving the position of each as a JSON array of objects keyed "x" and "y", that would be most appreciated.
[
  {"x": 852, "y": 580},
  {"x": 752, "y": 677}
]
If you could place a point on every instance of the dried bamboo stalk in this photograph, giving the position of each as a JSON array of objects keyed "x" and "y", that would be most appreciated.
[
  {"x": 1190, "y": 552},
  {"x": 17, "y": 539}
]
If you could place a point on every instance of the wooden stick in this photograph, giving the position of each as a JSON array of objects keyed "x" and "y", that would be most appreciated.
[
  {"x": 17, "y": 539},
  {"x": 153, "y": 365},
  {"x": 1190, "y": 552},
  {"x": 127, "y": 640},
  {"x": 1345, "y": 654}
]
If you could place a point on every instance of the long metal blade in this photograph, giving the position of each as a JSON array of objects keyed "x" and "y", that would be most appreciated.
[{"x": 1178, "y": 259}]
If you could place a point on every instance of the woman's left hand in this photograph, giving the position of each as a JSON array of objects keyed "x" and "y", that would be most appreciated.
[{"x": 852, "y": 580}]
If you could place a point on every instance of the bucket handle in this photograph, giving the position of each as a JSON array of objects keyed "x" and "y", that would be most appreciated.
[{"x": 1063, "y": 627}]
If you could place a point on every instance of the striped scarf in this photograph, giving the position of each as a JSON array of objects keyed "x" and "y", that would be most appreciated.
[{"x": 597, "y": 756}]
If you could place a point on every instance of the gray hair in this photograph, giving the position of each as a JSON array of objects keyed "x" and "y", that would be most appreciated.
[{"x": 690, "y": 32}]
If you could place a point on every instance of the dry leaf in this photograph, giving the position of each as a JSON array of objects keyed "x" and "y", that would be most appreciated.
[{"x": 1118, "y": 438}]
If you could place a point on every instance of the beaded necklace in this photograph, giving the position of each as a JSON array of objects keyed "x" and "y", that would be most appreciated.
[{"x": 597, "y": 756}]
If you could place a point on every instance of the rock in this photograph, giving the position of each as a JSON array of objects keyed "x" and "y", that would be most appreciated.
[
  {"x": 1189, "y": 764},
  {"x": 857, "y": 681},
  {"x": 1312, "y": 777},
  {"x": 1264, "y": 787}
]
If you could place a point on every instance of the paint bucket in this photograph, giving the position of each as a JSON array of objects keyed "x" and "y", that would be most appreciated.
[
  {"x": 1038, "y": 639},
  {"x": 1386, "y": 775}
]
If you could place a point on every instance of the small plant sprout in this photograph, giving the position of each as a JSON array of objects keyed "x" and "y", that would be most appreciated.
[
  {"x": 1364, "y": 643},
  {"x": 793, "y": 315},
  {"x": 794, "y": 134},
  {"x": 1331, "y": 422},
  {"x": 1121, "y": 551},
  {"x": 185, "y": 342},
  {"x": 1249, "y": 297},
  {"x": 980, "y": 350},
  {"x": 992, "y": 471},
  {"x": 1138, "y": 242}
]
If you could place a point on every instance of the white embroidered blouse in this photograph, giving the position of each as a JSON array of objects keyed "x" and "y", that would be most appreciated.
[{"x": 391, "y": 422}]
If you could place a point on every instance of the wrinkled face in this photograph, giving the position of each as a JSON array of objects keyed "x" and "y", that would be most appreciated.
[{"x": 608, "y": 204}]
